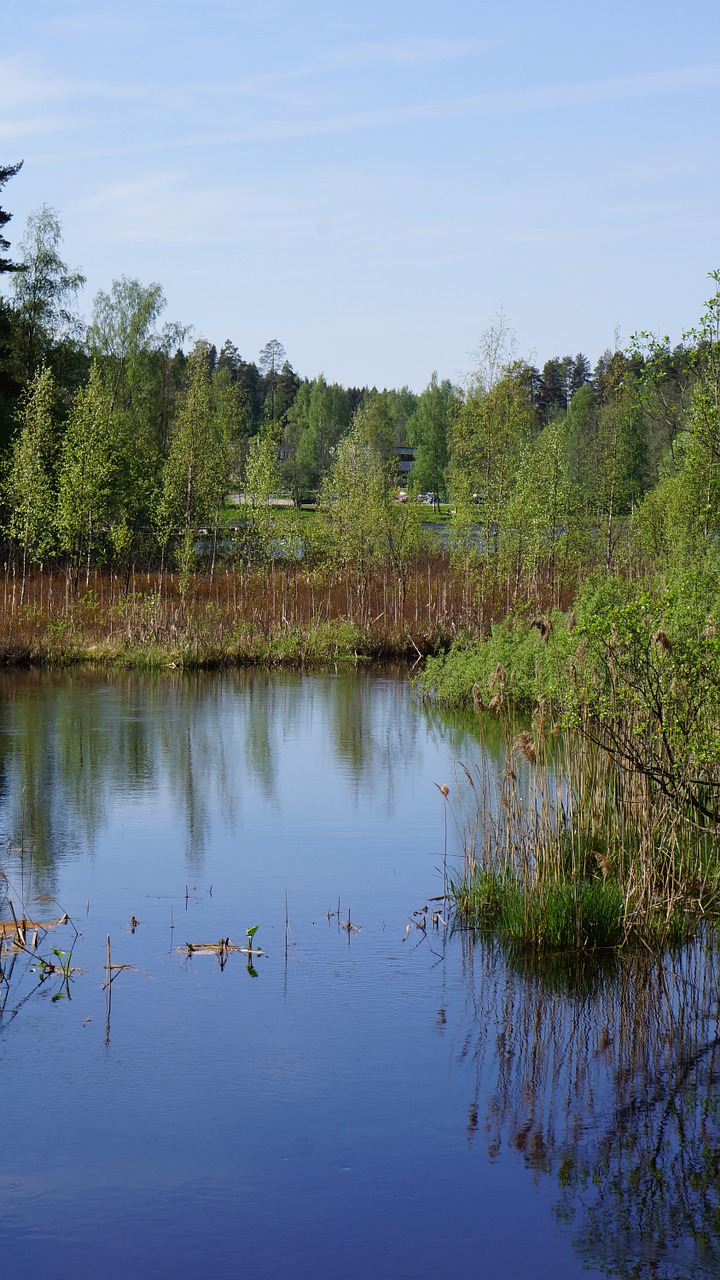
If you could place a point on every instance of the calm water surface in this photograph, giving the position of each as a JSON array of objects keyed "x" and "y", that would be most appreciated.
[{"x": 367, "y": 1104}]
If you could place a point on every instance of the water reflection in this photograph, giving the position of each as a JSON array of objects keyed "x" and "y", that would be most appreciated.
[
  {"x": 597, "y": 1081},
  {"x": 606, "y": 1079},
  {"x": 71, "y": 744}
]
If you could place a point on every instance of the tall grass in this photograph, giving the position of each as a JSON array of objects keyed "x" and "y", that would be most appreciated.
[
  {"x": 563, "y": 849},
  {"x": 277, "y": 613}
]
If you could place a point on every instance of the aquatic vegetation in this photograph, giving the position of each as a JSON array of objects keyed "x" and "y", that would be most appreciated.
[
  {"x": 563, "y": 848},
  {"x": 284, "y": 613},
  {"x": 599, "y": 826},
  {"x": 24, "y": 968}
]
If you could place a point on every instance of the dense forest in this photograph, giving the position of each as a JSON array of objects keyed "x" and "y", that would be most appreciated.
[{"x": 121, "y": 437}]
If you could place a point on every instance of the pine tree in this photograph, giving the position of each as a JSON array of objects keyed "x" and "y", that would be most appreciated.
[{"x": 6, "y": 173}]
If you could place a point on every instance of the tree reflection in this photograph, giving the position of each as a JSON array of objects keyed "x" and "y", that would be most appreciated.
[
  {"x": 75, "y": 746},
  {"x": 607, "y": 1079}
]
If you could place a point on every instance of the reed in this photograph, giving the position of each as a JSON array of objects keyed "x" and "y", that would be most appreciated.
[
  {"x": 277, "y": 613},
  {"x": 565, "y": 848}
]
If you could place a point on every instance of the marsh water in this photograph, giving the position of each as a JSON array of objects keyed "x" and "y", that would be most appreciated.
[{"x": 372, "y": 1100}]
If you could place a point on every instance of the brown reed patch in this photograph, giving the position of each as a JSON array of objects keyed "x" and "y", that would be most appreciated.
[{"x": 256, "y": 614}]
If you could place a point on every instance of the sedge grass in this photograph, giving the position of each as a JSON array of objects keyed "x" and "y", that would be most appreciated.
[
  {"x": 585, "y": 915},
  {"x": 562, "y": 849}
]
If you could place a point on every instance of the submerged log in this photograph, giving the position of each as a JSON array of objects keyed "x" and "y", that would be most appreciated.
[{"x": 9, "y": 928}]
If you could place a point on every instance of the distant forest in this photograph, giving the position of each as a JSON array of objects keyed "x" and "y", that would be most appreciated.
[{"x": 121, "y": 432}]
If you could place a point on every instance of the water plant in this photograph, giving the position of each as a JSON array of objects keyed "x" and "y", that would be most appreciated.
[
  {"x": 61, "y": 966},
  {"x": 250, "y": 934},
  {"x": 566, "y": 848}
]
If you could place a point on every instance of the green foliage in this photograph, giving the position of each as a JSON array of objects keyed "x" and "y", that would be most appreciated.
[
  {"x": 6, "y": 172},
  {"x": 647, "y": 682},
  {"x": 319, "y": 417},
  {"x": 196, "y": 472},
  {"x": 272, "y": 359},
  {"x": 489, "y": 435},
  {"x": 356, "y": 494},
  {"x": 43, "y": 291},
  {"x": 365, "y": 527},
  {"x": 265, "y": 523},
  {"x": 29, "y": 489},
  {"x": 547, "y": 473},
  {"x": 544, "y": 523},
  {"x": 86, "y": 473},
  {"x": 429, "y": 430},
  {"x": 570, "y": 915},
  {"x": 534, "y": 667},
  {"x": 680, "y": 519},
  {"x": 124, "y": 325},
  {"x": 133, "y": 356}
]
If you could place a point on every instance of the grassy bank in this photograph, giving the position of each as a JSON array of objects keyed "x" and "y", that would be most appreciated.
[
  {"x": 599, "y": 827},
  {"x": 566, "y": 849}
]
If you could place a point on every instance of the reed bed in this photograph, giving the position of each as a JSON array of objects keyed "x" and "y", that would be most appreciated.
[
  {"x": 564, "y": 849},
  {"x": 278, "y": 613}
]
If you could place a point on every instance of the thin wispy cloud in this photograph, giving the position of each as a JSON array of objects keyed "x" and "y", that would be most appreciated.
[
  {"x": 168, "y": 207},
  {"x": 23, "y": 83},
  {"x": 359, "y": 57},
  {"x": 367, "y": 214},
  {"x": 391, "y": 53},
  {"x": 19, "y": 131},
  {"x": 574, "y": 95}
]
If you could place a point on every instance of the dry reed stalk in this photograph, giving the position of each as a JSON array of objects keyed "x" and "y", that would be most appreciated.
[{"x": 424, "y": 608}]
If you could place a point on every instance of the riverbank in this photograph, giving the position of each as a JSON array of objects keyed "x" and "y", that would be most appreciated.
[
  {"x": 281, "y": 614},
  {"x": 602, "y": 831}
]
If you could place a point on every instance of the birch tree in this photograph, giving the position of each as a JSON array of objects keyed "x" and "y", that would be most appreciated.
[
  {"x": 191, "y": 480},
  {"x": 29, "y": 485},
  {"x": 85, "y": 482}
]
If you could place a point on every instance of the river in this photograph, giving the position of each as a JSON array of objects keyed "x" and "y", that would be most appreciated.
[{"x": 373, "y": 1094}]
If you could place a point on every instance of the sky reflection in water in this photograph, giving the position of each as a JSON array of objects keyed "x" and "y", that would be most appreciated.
[{"x": 366, "y": 1105}]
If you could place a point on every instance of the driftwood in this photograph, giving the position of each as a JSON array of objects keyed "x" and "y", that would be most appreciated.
[
  {"x": 221, "y": 948},
  {"x": 19, "y": 928}
]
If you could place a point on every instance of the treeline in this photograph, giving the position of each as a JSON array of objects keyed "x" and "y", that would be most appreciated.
[{"x": 120, "y": 438}]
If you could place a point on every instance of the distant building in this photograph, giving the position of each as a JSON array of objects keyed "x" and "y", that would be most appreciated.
[{"x": 404, "y": 457}]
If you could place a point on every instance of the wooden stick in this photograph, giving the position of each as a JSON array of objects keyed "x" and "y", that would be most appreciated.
[{"x": 18, "y": 934}]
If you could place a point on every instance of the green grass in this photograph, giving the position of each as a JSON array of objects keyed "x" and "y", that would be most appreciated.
[
  {"x": 317, "y": 645},
  {"x": 585, "y": 915}
]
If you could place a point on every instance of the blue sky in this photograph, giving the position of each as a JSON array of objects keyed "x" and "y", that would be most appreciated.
[{"x": 371, "y": 183}]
